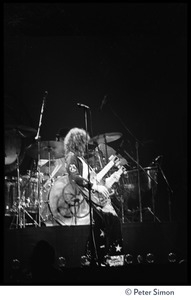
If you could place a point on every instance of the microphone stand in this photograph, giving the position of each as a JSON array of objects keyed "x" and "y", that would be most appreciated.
[
  {"x": 38, "y": 139},
  {"x": 137, "y": 143},
  {"x": 94, "y": 256}
]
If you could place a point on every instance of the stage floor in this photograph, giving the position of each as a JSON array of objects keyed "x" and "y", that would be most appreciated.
[{"x": 159, "y": 239}]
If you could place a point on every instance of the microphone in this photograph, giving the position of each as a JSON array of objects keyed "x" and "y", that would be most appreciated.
[
  {"x": 83, "y": 105},
  {"x": 103, "y": 102},
  {"x": 156, "y": 159}
]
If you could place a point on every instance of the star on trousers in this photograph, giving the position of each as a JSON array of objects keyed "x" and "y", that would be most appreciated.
[
  {"x": 102, "y": 233},
  {"x": 118, "y": 248}
]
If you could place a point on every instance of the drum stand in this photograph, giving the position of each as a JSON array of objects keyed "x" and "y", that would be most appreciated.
[
  {"x": 21, "y": 211},
  {"x": 152, "y": 213},
  {"x": 170, "y": 192},
  {"x": 139, "y": 167},
  {"x": 38, "y": 138}
]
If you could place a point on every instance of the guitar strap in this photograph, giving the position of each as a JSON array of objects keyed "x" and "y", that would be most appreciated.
[{"x": 84, "y": 168}]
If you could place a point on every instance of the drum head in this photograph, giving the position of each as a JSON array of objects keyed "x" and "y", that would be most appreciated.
[
  {"x": 12, "y": 146},
  {"x": 67, "y": 204},
  {"x": 13, "y": 149},
  {"x": 130, "y": 188}
]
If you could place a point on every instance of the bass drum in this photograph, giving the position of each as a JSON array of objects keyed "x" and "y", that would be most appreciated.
[
  {"x": 66, "y": 203},
  {"x": 130, "y": 188}
]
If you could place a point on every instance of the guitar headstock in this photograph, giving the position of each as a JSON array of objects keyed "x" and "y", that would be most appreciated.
[{"x": 118, "y": 163}]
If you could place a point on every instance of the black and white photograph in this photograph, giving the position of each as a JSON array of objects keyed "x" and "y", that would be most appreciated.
[{"x": 95, "y": 144}]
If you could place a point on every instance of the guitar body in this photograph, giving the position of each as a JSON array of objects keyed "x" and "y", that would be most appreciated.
[{"x": 98, "y": 198}]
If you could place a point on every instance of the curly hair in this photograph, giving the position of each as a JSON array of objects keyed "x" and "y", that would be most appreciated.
[{"x": 75, "y": 141}]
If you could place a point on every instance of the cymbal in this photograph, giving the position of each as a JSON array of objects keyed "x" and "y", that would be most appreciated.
[
  {"x": 56, "y": 165},
  {"x": 105, "y": 138},
  {"x": 52, "y": 149},
  {"x": 22, "y": 129},
  {"x": 110, "y": 151},
  {"x": 106, "y": 150}
]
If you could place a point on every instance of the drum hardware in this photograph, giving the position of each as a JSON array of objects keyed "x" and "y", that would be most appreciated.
[
  {"x": 155, "y": 217},
  {"x": 120, "y": 196},
  {"x": 14, "y": 135},
  {"x": 24, "y": 131},
  {"x": 29, "y": 191},
  {"x": 139, "y": 167},
  {"x": 48, "y": 150},
  {"x": 149, "y": 210},
  {"x": 34, "y": 151},
  {"x": 106, "y": 151},
  {"x": 170, "y": 191},
  {"x": 10, "y": 194},
  {"x": 13, "y": 147},
  {"x": 20, "y": 211},
  {"x": 105, "y": 138},
  {"x": 147, "y": 186},
  {"x": 122, "y": 209},
  {"x": 50, "y": 153}
]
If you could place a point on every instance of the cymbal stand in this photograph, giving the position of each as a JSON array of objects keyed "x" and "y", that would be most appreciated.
[
  {"x": 106, "y": 153},
  {"x": 152, "y": 213},
  {"x": 122, "y": 209},
  {"x": 170, "y": 192},
  {"x": 137, "y": 143},
  {"x": 139, "y": 182},
  {"x": 38, "y": 138},
  {"x": 121, "y": 198},
  {"x": 20, "y": 221},
  {"x": 97, "y": 150},
  {"x": 21, "y": 211},
  {"x": 49, "y": 150}
]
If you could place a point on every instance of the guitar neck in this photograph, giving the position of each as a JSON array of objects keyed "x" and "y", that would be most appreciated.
[
  {"x": 106, "y": 169},
  {"x": 112, "y": 179}
]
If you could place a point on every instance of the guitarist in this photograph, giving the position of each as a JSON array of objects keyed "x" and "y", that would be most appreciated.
[{"x": 107, "y": 225}]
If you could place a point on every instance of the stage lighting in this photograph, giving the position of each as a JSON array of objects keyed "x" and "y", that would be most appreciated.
[
  {"x": 62, "y": 262},
  {"x": 172, "y": 257},
  {"x": 128, "y": 258},
  {"x": 84, "y": 261},
  {"x": 182, "y": 261},
  {"x": 150, "y": 258},
  {"x": 15, "y": 264},
  {"x": 140, "y": 259}
]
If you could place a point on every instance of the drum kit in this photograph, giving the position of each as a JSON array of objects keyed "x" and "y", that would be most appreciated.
[{"x": 27, "y": 196}]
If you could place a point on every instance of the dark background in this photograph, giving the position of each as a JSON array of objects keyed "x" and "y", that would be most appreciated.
[{"x": 133, "y": 54}]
